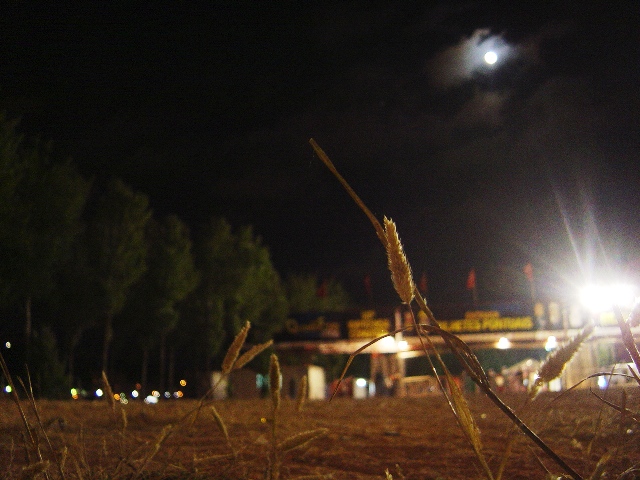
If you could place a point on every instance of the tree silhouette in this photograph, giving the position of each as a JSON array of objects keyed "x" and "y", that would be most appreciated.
[
  {"x": 117, "y": 250},
  {"x": 151, "y": 308}
]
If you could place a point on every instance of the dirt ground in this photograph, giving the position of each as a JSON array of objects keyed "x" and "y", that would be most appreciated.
[{"x": 415, "y": 438}]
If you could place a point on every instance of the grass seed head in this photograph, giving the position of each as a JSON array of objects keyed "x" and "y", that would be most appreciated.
[
  {"x": 398, "y": 264},
  {"x": 250, "y": 354},
  {"x": 557, "y": 360},
  {"x": 234, "y": 349},
  {"x": 274, "y": 381},
  {"x": 302, "y": 393}
]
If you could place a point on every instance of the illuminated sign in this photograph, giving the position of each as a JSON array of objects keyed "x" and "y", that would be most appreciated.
[
  {"x": 484, "y": 321},
  {"x": 499, "y": 324},
  {"x": 367, "y": 326}
]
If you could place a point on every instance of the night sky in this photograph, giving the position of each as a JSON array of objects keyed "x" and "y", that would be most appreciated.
[{"x": 208, "y": 108}]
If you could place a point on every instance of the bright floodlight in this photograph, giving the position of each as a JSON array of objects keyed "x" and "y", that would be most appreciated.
[
  {"x": 503, "y": 343},
  {"x": 600, "y": 298},
  {"x": 490, "y": 57},
  {"x": 387, "y": 344},
  {"x": 551, "y": 344},
  {"x": 361, "y": 382}
]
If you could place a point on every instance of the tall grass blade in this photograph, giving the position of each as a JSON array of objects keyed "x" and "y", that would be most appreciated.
[
  {"x": 329, "y": 164},
  {"x": 160, "y": 439},
  {"x": 301, "y": 439},
  {"x": 111, "y": 401},
  {"x": 627, "y": 336}
]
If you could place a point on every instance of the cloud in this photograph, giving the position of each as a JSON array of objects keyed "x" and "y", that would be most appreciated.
[{"x": 458, "y": 63}]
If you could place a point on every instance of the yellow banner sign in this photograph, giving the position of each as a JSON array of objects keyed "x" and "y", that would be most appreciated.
[
  {"x": 489, "y": 324},
  {"x": 368, "y": 326}
]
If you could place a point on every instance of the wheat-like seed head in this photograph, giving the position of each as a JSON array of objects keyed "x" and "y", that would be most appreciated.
[
  {"x": 250, "y": 354},
  {"x": 274, "y": 381},
  {"x": 303, "y": 390},
  {"x": 398, "y": 264},
  {"x": 558, "y": 359},
  {"x": 234, "y": 349}
]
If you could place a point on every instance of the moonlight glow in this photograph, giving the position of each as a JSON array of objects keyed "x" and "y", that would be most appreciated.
[{"x": 490, "y": 57}]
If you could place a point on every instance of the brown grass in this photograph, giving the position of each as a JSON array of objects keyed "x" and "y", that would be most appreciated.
[{"x": 363, "y": 439}]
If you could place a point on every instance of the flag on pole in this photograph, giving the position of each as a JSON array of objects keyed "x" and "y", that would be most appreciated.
[
  {"x": 471, "y": 279},
  {"x": 471, "y": 285},
  {"x": 528, "y": 271}
]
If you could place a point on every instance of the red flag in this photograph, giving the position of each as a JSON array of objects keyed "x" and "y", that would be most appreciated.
[
  {"x": 528, "y": 271},
  {"x": 471, "y": 279},
  {"x": 423, "y": 284},
  {"x": 322, "y": 290}
]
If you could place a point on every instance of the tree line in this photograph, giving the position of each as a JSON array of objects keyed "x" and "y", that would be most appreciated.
[{"x": 86, "y": 265}]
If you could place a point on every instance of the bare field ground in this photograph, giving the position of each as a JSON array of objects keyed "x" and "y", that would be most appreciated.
[{"x": 366, "y": 437}]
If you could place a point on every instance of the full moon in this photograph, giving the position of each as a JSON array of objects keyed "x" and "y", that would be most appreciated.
[{"x": 490, "y": 57}]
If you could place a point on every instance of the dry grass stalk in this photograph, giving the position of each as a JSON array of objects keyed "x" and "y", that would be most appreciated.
[
  {"x": 627, "y": 336},
  {"x": 123, "y": 415},
  {"x": 633, "y": 416},
  {"x": 108, "y": 392},
  {"x": 34, "y": 408},
  {"x": 273, "y": 471},
  {"x": 35, "y": 469},
  {"x": 398, "y": 264},
  {"x": 250, "y": 354},
  {"x": 160, "y": 439},
  {"x": 599, "y": 471},
  {"x": 234, "y": 349},
  {"x": 303, "y": 391},
  {"x": 274, "y": 381},
  {"x": 223, "y": 456},
  {"x": 301, "y": 439},
  {"x": 221, "y": 425},
  {"x": 466, "y": 421},
  {"x": 30, "y": 435},
  {"x": 329, "y": 164},
  {"x": 557, "y": 360}
]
